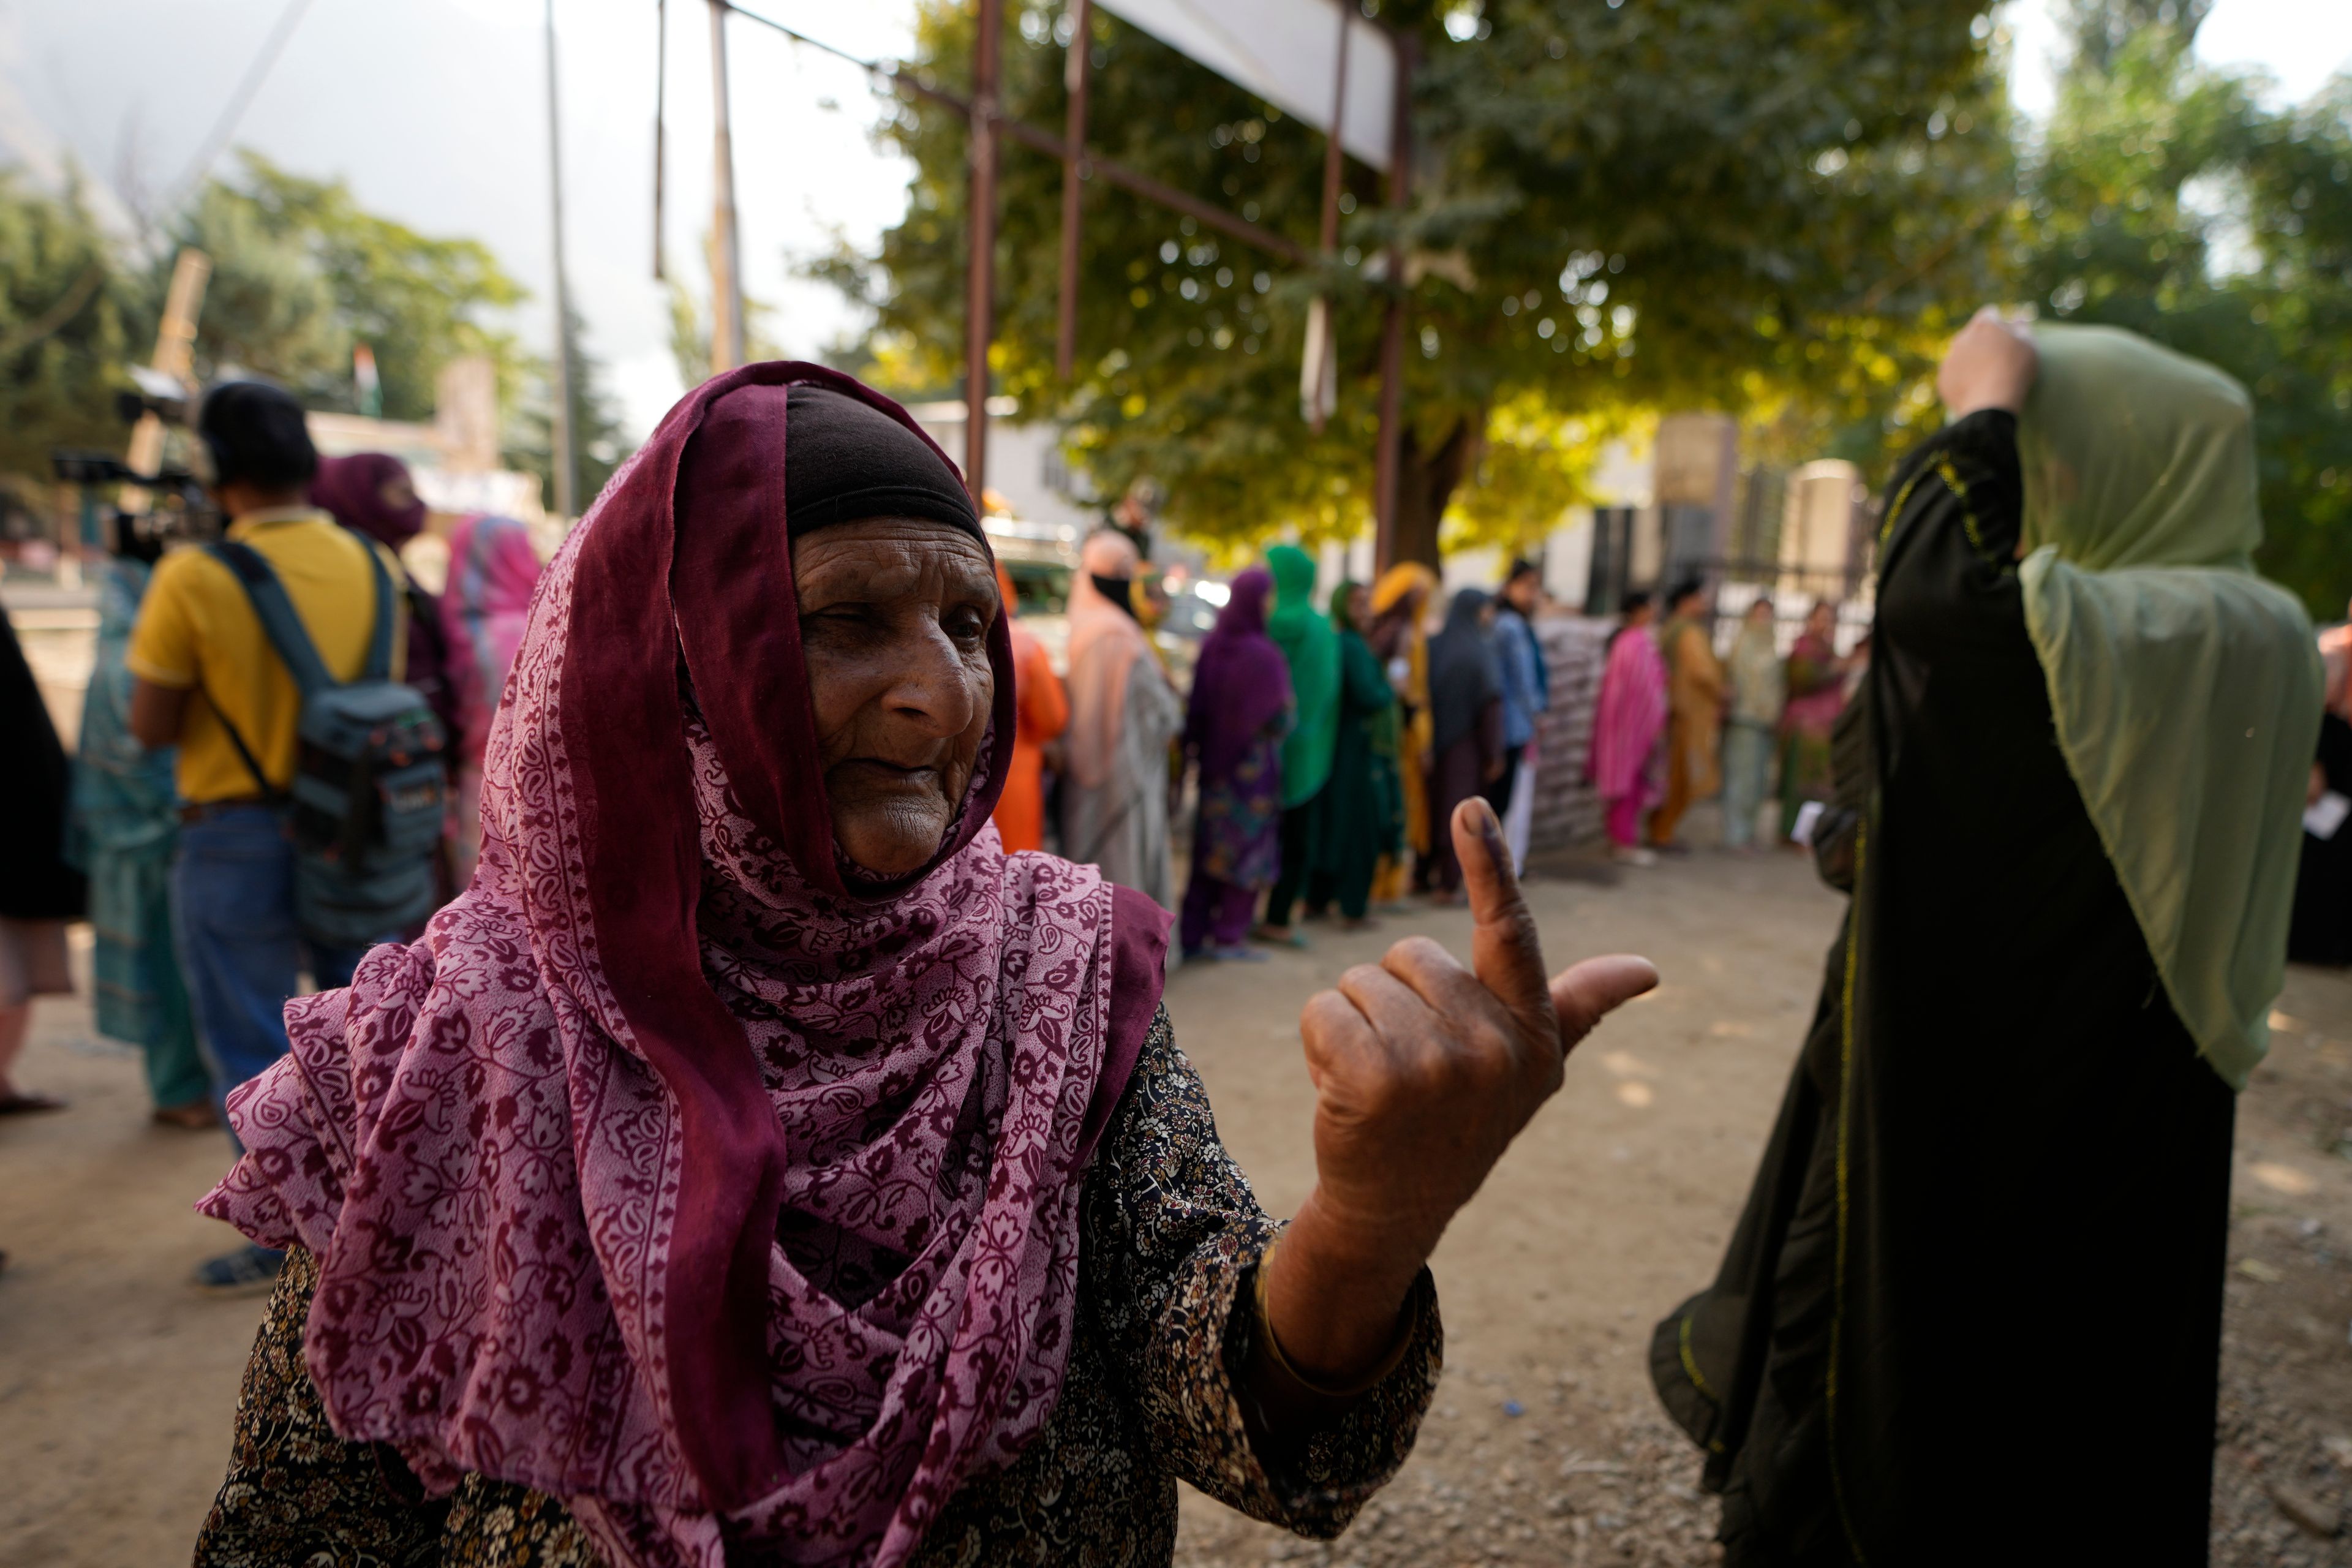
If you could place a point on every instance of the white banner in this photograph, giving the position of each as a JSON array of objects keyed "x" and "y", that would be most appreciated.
[{"x": 1286, "y": 52}]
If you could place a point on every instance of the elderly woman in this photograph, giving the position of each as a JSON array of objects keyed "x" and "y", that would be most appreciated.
[
  {"x": 759, "y": 1164},
  {"x": 1978, "y": 1279}
]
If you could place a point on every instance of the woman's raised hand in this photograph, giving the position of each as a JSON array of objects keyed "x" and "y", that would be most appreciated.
[
  {"x": 1992, "y": 363},
  {"x": 1424, "y": 1071}
]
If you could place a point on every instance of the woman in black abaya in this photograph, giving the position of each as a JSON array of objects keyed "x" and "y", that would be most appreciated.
[{"x": 1972, "y": 1311}]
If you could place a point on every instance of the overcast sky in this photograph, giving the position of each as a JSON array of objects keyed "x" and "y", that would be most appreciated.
[{"x": 434, "y": 110}]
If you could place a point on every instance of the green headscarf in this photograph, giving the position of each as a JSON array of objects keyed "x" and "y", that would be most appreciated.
[
  {"x": 1343, "y": 619},
  {"x": 1383, "y": 728},
  {"x": 2186, "y": 690},
  {"x": 1312, "y": 649}
]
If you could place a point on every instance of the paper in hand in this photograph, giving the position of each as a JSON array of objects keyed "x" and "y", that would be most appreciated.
[{"x": 2323, "y": 817}]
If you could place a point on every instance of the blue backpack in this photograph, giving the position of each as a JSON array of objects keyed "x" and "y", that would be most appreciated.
[{"x": 371, "y": 787}]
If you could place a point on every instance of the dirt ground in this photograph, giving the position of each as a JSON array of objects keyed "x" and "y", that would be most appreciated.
[{"x": 117, "y": 1382}]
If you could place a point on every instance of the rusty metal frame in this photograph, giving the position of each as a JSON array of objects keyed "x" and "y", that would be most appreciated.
[{"x": 990, "y": 125}]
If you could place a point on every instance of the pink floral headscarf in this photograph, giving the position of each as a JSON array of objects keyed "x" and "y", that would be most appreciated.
[
  {"x": 669, "y": 1174},
  {"x": 483, "y": 603}
]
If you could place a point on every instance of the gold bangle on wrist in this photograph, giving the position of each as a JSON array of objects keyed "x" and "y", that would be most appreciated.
[{"x": 1408, "y": 1326}]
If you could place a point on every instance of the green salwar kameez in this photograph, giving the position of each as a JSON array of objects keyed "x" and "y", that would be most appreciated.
[{"x": 1360, "y": 816}]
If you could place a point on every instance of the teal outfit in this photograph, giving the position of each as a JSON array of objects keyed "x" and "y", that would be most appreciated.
[
  {"x": 1312, "y": 649},
  {"x": 1360, "y": 815},
  {"x": 123, "y": 828}
]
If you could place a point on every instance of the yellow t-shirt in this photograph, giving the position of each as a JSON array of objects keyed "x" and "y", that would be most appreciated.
[{"x": 197, "y": 631}]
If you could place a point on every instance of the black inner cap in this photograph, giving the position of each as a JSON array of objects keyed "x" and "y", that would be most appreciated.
[{"x": 844, "y": 459}]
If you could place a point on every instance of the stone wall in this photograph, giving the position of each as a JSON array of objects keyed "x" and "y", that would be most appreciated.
[{"x": 1567, "y": 812}]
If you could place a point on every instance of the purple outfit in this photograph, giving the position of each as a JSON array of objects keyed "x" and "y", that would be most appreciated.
[{"x": 1233, "y": 727}]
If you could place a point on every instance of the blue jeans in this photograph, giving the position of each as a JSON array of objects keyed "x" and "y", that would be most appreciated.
[{"x": 233, "y": 916}]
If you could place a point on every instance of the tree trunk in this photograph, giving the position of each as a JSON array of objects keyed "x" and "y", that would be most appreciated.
[{"x": 1425, "y": 483}]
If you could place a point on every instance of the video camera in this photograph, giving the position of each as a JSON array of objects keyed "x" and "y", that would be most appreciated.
[{"x": 177, "y": 507}]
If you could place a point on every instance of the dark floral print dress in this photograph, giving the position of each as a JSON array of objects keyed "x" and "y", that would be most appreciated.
[
  {"x": 1240, "y": 819},
  {"x": 1170, "y": 1240}
]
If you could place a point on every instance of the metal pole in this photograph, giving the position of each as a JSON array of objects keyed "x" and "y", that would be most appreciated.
[
  {"x": 980, "y": 285},
  {"x": 175, "y": 342},
  {"x": 1109, "y": 170},
  {"x": 1333, "y": 157},
  {"x": 1386, "y": 476},
  {"x": 1074, "y": 138},
  {"x": 174, "y": 353},
  {"x": 567, "y": 477},
  {"x": 726, "y": 257},
  {"x": 661, "y": 124}
]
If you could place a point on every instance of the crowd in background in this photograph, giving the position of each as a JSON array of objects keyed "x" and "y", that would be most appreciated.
[
  {"x": 1675, "y": 724},
  {"x": 1326, "y": 740},
  {"x": 173, "y": 835},
  {"x": 1327, "y": 737},
  {"x": 1324, "y": 736}
]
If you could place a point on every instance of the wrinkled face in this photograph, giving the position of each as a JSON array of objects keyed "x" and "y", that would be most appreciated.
[{"x": 894, "y": 616}]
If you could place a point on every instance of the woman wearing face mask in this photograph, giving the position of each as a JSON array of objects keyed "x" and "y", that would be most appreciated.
[
  {"x": 759, "y": 1164},
  {"x": 372, "y": 493},
  {"x": 1993, "y": 1218},
  {"x": 1124, "y": 715}
]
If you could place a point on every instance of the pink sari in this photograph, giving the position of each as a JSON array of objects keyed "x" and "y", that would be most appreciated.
[
  {"x": 1630, "y": 716},
  {"x": 484, "y": 607}
]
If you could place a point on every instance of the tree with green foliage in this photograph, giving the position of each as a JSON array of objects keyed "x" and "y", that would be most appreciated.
[
  {"x": 1657, "y": 203},
  {"x": 301, "y": 273},
  {"x": 70, "y": 318},
  {"x": 2164, "y": 197}
]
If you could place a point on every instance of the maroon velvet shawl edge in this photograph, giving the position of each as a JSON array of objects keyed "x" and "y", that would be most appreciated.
[{"x": 647, "y": 597}]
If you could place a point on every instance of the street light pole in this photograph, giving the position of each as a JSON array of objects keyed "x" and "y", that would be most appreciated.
[
  {"x": 980, "y": 283},
  {"x": 726, "y": 257},
  {"x": 661, "y": 127},
  {"x": 560, "y": 434},
  {"x": 1075, "y": 76},
  {"x": 1389, "y": 457}
]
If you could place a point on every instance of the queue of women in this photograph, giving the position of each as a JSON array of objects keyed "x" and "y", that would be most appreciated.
[
  {"x": 1673, "y": 723},
  {"x": 762, "y": 1161},
  {"x": 1327, "y": 737}
]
